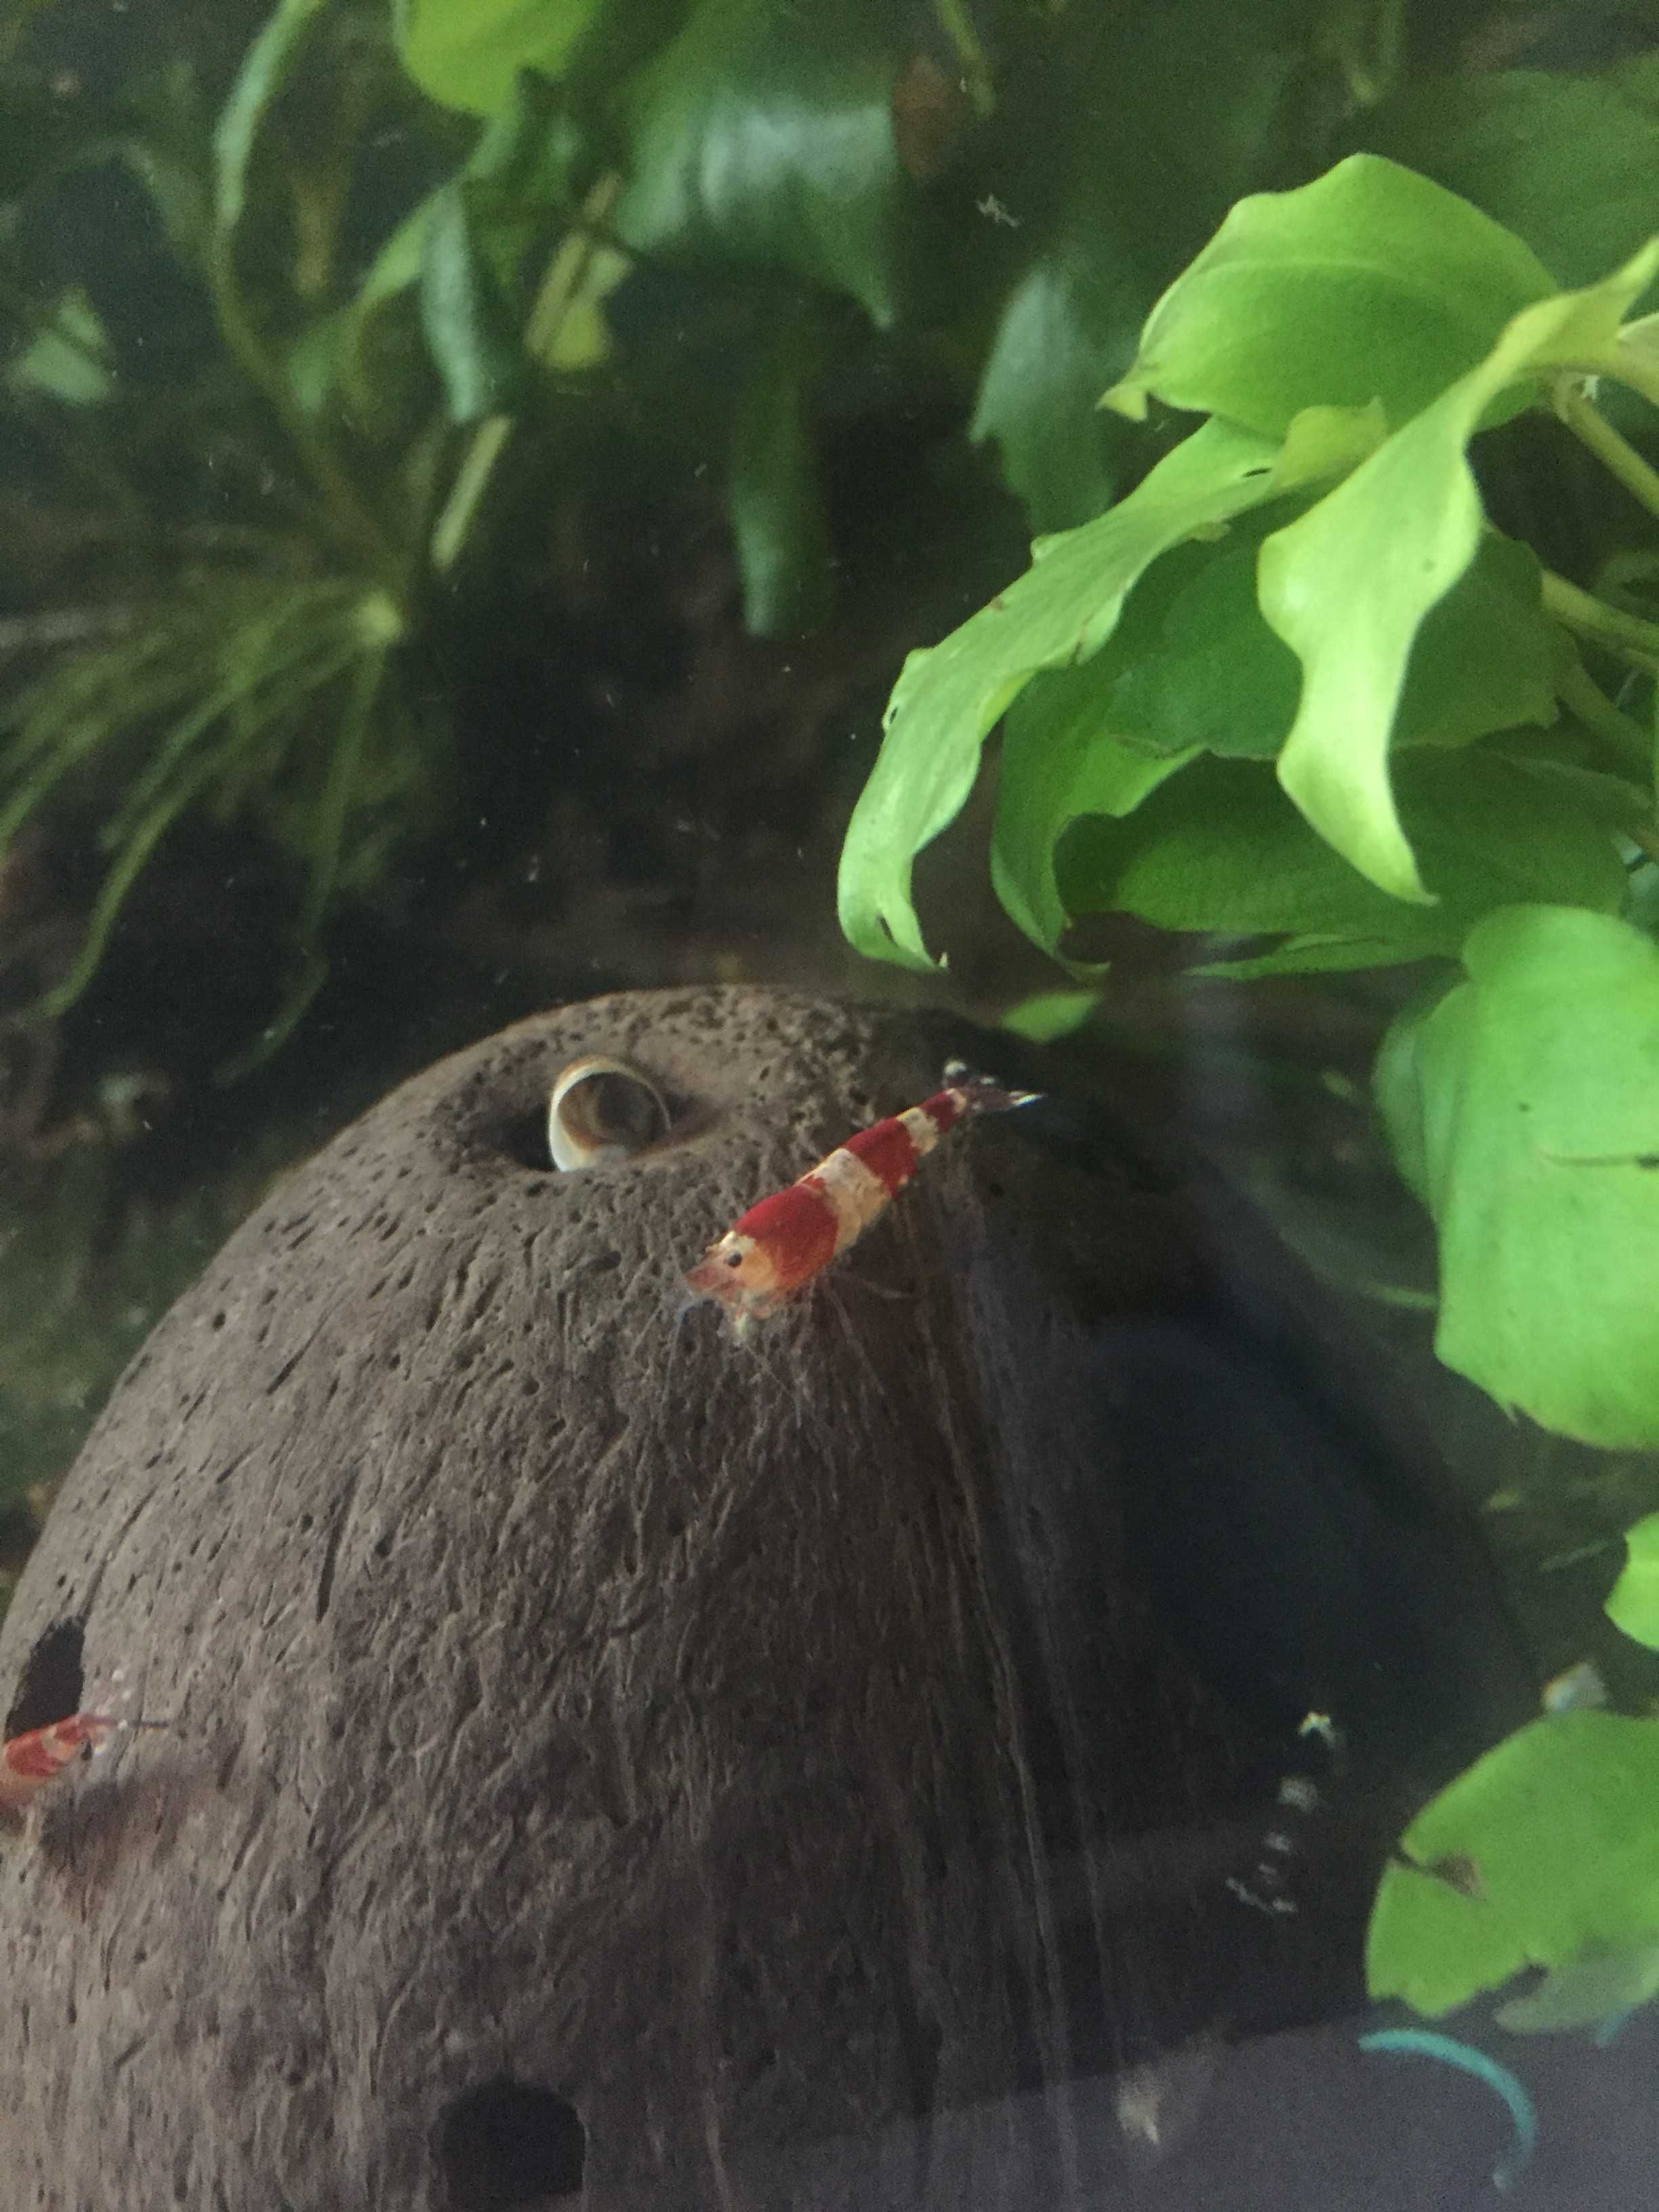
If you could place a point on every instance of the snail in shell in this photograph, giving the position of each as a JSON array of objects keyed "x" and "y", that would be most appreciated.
[{"x": 603, "y": 1111}]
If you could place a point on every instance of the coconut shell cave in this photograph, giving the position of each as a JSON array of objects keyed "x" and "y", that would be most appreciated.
[{"x": 613, "y": 1763}]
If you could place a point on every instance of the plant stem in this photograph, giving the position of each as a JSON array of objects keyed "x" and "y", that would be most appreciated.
[
  {"x": 1627, "y": 739},
  {"x": 1587, "y": 422},
  {"x": 1589, "y": 616}
]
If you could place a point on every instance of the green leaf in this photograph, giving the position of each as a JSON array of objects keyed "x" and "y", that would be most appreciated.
[
  {"x": 1047, "y": 1016},
  {"x": 70, "y": 358},
  {"x": 1221, "y": 849},
  {"x": 1215, "y": 677},
  {"x": 472, "y": 333},
  {"x": 1585, "y": 1994},
  {"x": 1526, "y": 1103},
  {"x": 271, "y": 62},
  {"x": 1069, "y": 319},
  {"x": 765, "y": 136},
  {"x": 778, "y": 518},
  {"x": 1567, "y": 163},
  {"x": 1485, "y": 656},
  {"x": 1348, "y": 585},
  {"x": 1138, "y": 190},
  {"x": 466, "y": 53},
  {"x": 1368, "y": 283},
  {"x": 1633, "y": 1602},
  {"x": 1059, "y": 613},
  {"x": 1543, "y": 1853}
]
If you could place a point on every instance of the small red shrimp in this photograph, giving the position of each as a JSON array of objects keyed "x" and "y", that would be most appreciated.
[
  {"x": 28, "y": 1763},
  {"x": 779, "y": 1247},
  {"x": 32, "y": 1762}
]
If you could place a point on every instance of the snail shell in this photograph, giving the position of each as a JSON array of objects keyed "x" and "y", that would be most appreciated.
[{"x": 601, "y": 1110}]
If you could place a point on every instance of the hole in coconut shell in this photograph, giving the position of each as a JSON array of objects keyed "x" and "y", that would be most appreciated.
[
  {"x": 508, "y": 2144},
  {"x": 53, "y": 1678}
]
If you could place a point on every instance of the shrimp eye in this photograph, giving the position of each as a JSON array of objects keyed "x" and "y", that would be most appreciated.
[{"x": 734, "y": 1259}]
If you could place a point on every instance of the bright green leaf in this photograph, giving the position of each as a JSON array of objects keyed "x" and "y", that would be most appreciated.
[
  {"x": 765, "y": 136},
  {"x": 1368, "y": 283},
  {"x": 466, "y": 53},
  {"x": 1633, "y": 1602},
  {"x": 1527, "y": 1100},
  {"x": 1058, "y": 614},
  {"x": 1542, "y": 1853},
  {"x": 1348, "y": 585}
]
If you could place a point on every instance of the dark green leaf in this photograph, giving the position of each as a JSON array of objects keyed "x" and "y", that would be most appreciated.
[
  {"x": 776, "y": 502},
  {"x": 1141, "y": 189},
  {"x": 1215, "y": 676},
  {"x": 764, "y": 135},
  {"x": 1484, "y": 658},
  {"x": 1567, "y": 163},
  {"x": 1221, "y": 848},
  {"x": 1068, "y": 323},
  {"x": 472, "y": 333},
  {"x": 271, "y": 63}
]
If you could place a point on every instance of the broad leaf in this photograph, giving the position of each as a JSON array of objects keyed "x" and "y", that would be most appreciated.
[
  {"x": 1348, "y": 585},
  {"x": 1633, "y": 1602},
  {"x": 1141, "y": 190},
  {"x": 1068, "y": 321},
  {"x": 1524, "y": 1107},
  {"x": 1220, "y": 848},
  {"x": 1567, "y": 163},
  {"x": 766, "y": 137},
  {"x": 1368, "y": 283},
  {"x": 466, "y": 53},
  {"x": 1218, "y": 676},
  {"x": 1058, "y": 614},
  {"x": 1543, "y": 1853}
]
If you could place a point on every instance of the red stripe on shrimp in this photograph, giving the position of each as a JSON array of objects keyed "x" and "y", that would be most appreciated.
[
  {"x": 888, "y": 1151},
  {"x": 28, "y": 1763},
  {"x": 796, "y": 1230}
]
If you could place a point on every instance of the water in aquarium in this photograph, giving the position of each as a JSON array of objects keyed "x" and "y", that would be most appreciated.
[{"x": 829, "y": 1163}]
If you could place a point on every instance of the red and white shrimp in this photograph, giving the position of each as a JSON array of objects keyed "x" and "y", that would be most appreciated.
[
  {"x": 781, "y": 1246},
  {"x": 32, "y": 1762}
]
